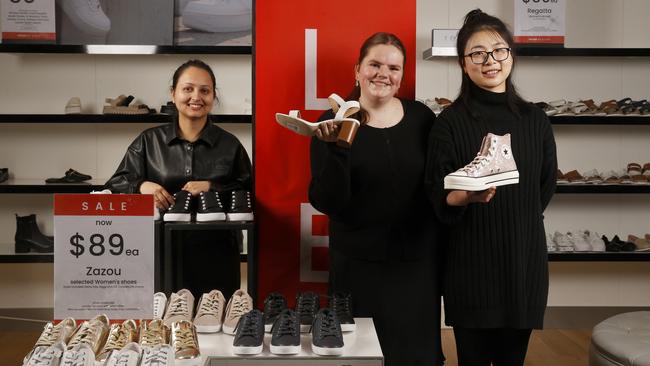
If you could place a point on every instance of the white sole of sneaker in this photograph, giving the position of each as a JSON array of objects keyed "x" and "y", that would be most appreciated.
[
  {"x": 72, "y": 110},
  {"x": 177, "y": 217},
  {"x": 482, "y": 183},
  {"x": 285, "y": 350},
  {"x": 213, "y": 216},
  {"x": 216, "y": 23},
  {"x": 348, "y": 327},
  {"x": 239, "y": 217},
  {"x": 241, "y": 350},
  {"x": 325, "y": 351},
  {"x": 207, "y": 328},
  {"x": 228, "y": 330}
]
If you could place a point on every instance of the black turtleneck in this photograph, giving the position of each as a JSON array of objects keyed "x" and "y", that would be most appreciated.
[{"x": 496, "y": 270}]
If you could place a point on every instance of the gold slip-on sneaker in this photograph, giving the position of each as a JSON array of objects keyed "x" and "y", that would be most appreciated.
[
  {"x": 153, "y": 333},
  {"x": 92, "y": 332},
  {"x": 119, "y": 336},
  {"x": 184, "y": 340}
]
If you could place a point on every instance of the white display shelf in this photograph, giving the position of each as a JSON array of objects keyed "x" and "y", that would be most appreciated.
[{"x": 361, "y": 349}]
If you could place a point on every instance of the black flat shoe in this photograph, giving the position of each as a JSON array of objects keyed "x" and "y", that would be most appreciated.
[
  {"x": 71, "y": 176},
  {"x": 611, "y": 246},
  {"x": 625, "y": 246}
]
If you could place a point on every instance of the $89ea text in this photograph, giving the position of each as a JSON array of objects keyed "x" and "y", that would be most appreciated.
[{"x": 97, "y": 245}]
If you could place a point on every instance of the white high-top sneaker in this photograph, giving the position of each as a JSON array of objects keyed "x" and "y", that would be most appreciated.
[
  {"x": 218, "y": 15},
  {"x": 493, "y": 166},
  {"x": 159, "y": 305},
  {"x": 87, "y": 16}
]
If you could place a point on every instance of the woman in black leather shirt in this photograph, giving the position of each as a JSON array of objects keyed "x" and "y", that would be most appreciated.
[{"x": 194, "y": 155}]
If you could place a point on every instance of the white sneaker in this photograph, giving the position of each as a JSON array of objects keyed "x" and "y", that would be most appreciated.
[
  {"x": 218, "y": 15},
  {"x": 51, "y": 335},
  {"x": 162, "y": 355},
  {"x": 73, "y": 106},
  {"x": 87, "y": 16},
  {"x": 579, "y": 242},
  {"x": 209, "y": 312},
  {"x": 562, "y": 242},
  {"x": 550, "y": 244},
  {"x": 594, "y": 239},
  {"x": 159, "y": 305},
  {"x": 180, "y": 307},
  {"x": 493, "y": 166},
  {"x": 80, "y": 355},
  {"x": 103, "y": 191},
  {"x": 127, "y": 356},
  {"x": 46, "y": 355}
]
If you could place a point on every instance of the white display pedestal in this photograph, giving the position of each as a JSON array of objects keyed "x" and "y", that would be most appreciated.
[{"x": 361, "y": 349}]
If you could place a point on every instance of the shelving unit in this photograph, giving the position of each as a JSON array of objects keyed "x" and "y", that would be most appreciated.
[
  {"x": 600, "y": 120},
  {"x": 112, "y": 118},
  {"x": 125, "y": 49}
]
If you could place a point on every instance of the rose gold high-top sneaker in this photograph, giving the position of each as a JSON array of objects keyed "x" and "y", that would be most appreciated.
[{"x": 493, "y": 166}]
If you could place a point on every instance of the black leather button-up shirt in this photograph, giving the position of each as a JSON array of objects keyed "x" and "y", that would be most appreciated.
[{"x": 161, "y": 156}]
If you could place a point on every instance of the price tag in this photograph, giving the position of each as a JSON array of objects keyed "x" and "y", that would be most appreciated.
[{"x": 103, "y": 256}]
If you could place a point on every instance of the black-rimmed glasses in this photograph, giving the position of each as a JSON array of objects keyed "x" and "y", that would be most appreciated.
[{"x": 481, "y": 57}]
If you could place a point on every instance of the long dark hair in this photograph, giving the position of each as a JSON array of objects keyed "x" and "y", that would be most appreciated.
[
  {"x": 374, "y": 40},
  {"x": 476, "y": 21}
]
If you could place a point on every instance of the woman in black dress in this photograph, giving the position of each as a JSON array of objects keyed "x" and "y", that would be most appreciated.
[
  {"x": 496, "y": 271},
  {"x": 382, "y": 237}
]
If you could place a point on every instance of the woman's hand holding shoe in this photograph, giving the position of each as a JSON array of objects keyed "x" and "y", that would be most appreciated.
[
  {"x": 161, "y": 197},
  {"x": 327, "y": 131},
  {"x": 196, "y": 187},
  {"x": 464, "y": 198}
]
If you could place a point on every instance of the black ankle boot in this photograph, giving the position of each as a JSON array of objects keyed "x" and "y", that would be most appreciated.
[{"x": 29, "y": 237}]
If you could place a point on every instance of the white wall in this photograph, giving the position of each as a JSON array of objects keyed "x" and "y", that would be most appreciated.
[
  {"x": 590, "y": 23},
  {"x": 43, "y": 83}
]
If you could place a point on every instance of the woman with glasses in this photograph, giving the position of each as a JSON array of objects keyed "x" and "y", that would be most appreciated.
[{"x": 496, "y": 271}]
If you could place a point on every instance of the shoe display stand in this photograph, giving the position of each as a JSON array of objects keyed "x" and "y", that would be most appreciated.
[
  {"x": 433, "y": 54},
  {"x": 171, "y": 279},
  {"x": 361, "y": 349}
]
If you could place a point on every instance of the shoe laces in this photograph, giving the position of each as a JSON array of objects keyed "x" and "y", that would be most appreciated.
[
  {"x": 184, "y": 338},
  {"x": 155, "y": 357},
  {"x": 328, "y": 325},
  {"x": 178, "y": 306},
  {"x": 274, "y": 305},
  {"x": 341, "y": 305},
  {"x": 44, "y": 357},
  {"x": 287, "y": 325},
  {"x": 50, "y": 334},
  {"x": 152, "y": 337},
  {"x": 306, "y": 305},
  {"x": 250, "y": 325},
  {"x": 478, "y": 162},
  {"x": 239, "y": 307},
  {"x": 117, "y": 339},
  {"x": 209, "y": 305},
  {"x": 86, "y": 334},
  {"x": 75, "y": 358}
]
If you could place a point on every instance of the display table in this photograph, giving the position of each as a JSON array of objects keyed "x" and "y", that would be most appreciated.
[{"x": 361, "y": 349}]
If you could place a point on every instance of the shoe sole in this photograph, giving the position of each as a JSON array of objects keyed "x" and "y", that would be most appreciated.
[
  {"x": 228, "y": 330},
  {"x": 326, "y": 351},
  {"x": 213, "y": 216},
  {"x": 241, "y": 350},
  {"x": 285, "y": 350},
  {"x": 482, "y": 183},
  {"x": 207, "y": 328},
  {"x": 239, "y": 217},
  {"x": 177, "y": 217}
]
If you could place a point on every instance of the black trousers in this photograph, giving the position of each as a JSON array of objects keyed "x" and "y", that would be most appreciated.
[
  {"x": 499, "y": 346},
  {"x": 207, "y": 260},
  {"x": 403, "y": 300}
]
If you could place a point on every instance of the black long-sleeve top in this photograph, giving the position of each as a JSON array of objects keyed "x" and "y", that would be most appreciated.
[
  {"x": 161, "y": 156},
  {"x": 496, "y": 269},
  {"x": 373, "y": 193}
]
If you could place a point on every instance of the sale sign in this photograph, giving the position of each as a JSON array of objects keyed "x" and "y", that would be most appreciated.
[{"x": 103, "y": 256}]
